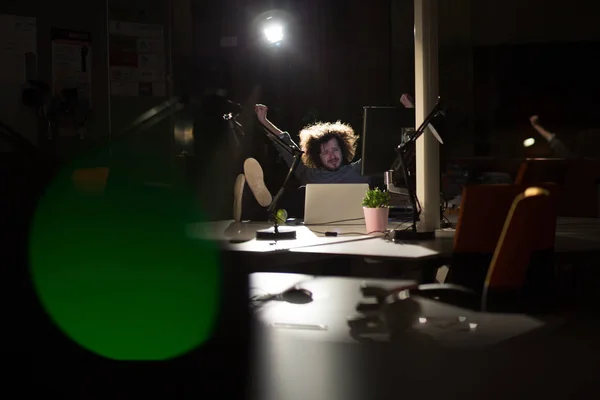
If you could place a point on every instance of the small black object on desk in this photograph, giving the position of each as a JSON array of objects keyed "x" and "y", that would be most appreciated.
[
  {"x": 406, "y": 150},
  {"x": 277, "y": 233},
  {"x": 294, "y": 295},
  {"x": 393, "y": 312}
]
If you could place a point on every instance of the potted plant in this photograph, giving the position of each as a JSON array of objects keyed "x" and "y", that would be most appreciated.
[{"x": 376, "y": 207}]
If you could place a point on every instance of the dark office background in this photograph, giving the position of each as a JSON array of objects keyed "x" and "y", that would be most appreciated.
[{"x": 499, "y": 62}]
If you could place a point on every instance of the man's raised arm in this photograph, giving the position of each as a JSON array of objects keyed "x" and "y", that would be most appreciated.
[
  {"x": 261, "y": 114},
  {"x": 557, "y": 146}
]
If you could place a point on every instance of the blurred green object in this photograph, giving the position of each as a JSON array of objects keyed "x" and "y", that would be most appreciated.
[
  {"x": 281, "y": 216},
  {"x": 113, "y": 267}
]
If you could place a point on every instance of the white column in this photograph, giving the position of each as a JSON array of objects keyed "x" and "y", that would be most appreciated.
[{"x": 426, "y": 94}]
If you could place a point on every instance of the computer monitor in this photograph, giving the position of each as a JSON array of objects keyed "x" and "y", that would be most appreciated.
[{"x": 382, "y": 133}]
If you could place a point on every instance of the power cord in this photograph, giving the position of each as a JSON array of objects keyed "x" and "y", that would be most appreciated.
[
  {"x": 399, "y": 225},
  {"x": 259, "y": 299},
  {"x": 334, "y": 222},
  {"x": 446, "y": 224},
  {"x": 444, "y": 204},
  {"x": 444, "y": 207},
  {"x": 386, "y": 234},
  {"x": 333, "y": 234}
]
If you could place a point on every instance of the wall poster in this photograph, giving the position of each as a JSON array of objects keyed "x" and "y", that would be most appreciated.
[
  {"x": 137, "y": 59},
  {"x": 18, "y": 55},
  {"x": 72, "y": 62}
]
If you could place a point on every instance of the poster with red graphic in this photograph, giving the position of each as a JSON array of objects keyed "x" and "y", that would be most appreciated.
[{"x": 137, "y": 59}]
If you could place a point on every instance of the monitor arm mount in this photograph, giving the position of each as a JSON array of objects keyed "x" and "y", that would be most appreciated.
[{"x": 400, "y": 169}]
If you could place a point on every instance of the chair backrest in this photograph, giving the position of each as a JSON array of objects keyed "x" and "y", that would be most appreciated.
[
  {"x": 521, "y": 176},
  {"x": 483, "y": 212},
  {"x": 534, "y": 171},
  {"x": 521, "y": 233}
]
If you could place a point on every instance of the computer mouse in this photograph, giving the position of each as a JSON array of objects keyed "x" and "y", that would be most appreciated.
[{"x": 296, "y": 296}]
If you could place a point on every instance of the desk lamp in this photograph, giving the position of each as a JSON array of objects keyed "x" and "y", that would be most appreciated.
[{"x": 277, "y": 233}]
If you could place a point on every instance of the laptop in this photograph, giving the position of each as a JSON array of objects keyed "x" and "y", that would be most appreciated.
[{"x": 327, "y": 203}]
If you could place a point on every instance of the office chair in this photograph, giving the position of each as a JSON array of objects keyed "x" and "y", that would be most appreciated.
[
  {"x": 482, "y": 216},
  {"x": 522, "y": 234}
]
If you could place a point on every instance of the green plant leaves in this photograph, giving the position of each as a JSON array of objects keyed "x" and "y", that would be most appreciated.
[{"x": 376, "y": 198}]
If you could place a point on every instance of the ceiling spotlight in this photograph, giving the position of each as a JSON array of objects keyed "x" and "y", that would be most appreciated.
[{"x": 273, "y": 32}]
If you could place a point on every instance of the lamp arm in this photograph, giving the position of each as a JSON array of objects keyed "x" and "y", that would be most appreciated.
[
  {"x": 271, "y": 209},
  {"x": 290, "y": 148}
]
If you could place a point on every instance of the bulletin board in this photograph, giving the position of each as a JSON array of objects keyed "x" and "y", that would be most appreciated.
[
  {"x": 71, "y": 62},
  {"x": 137, "y": 59},
  {"x": 18, "y": 53}
]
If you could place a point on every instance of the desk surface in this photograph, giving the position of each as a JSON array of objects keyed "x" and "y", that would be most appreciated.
[
  {"x": 382, "y": 247},
  {"x": 293, "y": 363},
  {"x": 240, "y": 236},
  {"x": 335, "y": 299},
  {"x": 573, "y": 235}
]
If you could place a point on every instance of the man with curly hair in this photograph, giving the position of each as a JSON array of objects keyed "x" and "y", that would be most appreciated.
[{"x": 329, "y": 149}]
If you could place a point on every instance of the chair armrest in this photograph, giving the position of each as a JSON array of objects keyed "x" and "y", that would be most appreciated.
[{"x": 451, "y": 294}]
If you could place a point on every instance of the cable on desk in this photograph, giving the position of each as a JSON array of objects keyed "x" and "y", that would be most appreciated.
[
  {"x": 444, "y": 206},
  {"x": 347, "y": 233},
  {"x": 446, "y": 223},
  {"x": 399, "y": 225},
  {"x": 334, "y": 222},
  {"x": 257, "y": 301},
  {"x": 386, "y": 234}
]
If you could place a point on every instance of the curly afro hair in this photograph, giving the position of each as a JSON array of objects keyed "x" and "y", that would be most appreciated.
[{"x": 315, "y": 135}]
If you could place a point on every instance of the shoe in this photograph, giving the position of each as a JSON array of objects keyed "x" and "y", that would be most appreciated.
[
  {"x": 238, "y": 193},
  {"x": 255, "y": 180},
  {"x": 245, "y": 204},
  {"x": 250, "y": 194}
]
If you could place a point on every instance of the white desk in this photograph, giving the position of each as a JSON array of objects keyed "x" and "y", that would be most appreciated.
[
  {"x": 241, "y": 236},
  {"x": 439, "y": 361},
  {"x": 574, "y": 236},
  {"x": 352, "y": 240},
  {"x": 376, "y": 247},
  {"x": 335, "y": 299}
]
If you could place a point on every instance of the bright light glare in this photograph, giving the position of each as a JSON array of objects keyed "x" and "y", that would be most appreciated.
[
  {"x": 274, "y": 33},
  {"x": 528, "y": 142}
]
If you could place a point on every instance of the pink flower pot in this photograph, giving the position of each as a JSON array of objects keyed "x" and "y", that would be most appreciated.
[{"x": 376, "y": 219}]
